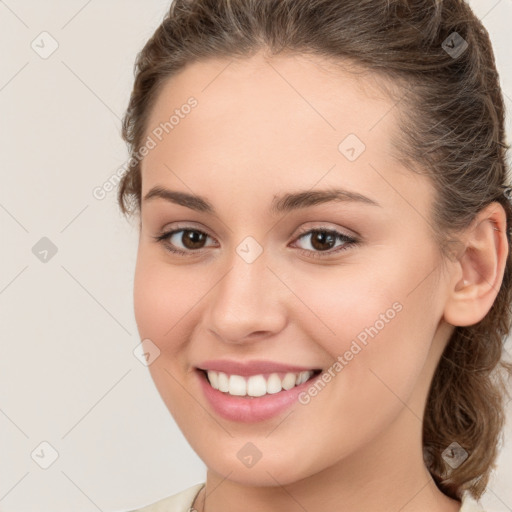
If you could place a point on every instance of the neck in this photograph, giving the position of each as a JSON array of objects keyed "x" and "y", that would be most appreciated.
[{"x": 386, "y": 475}]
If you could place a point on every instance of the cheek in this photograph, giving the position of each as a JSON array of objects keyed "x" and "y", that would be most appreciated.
[
  {"x": 149, "y": 299},
  {"x": 377, "y": 322},
  {"x": 161, "y": 299},
  {"x": 163, "y": 296}
]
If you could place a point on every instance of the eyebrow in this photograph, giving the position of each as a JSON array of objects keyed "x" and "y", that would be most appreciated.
[{"x": 280, "y": 204}]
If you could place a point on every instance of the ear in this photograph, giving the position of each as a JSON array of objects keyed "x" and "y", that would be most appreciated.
[{"x": 479, "y": 270}]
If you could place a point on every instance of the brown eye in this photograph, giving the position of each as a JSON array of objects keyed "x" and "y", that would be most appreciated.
[
  {"x": 192, "y": 239},
  {"x": 323, "y": 242},
  {"x": 183, "y": 241}
]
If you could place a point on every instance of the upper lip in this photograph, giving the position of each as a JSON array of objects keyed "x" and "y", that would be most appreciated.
[{"x": 247, "y": 368}]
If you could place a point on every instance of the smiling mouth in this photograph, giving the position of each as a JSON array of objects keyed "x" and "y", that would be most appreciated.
[{"x": 257, "y": 385}]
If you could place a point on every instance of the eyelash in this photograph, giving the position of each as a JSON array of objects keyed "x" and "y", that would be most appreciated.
[{"x": 349, "y": 241}]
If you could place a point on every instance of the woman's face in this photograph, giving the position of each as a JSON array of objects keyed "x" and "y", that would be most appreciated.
[{"x": 270, "y": 286}]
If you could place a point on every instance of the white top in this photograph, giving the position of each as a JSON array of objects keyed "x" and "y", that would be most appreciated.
[{"x": 182, "y": 502}]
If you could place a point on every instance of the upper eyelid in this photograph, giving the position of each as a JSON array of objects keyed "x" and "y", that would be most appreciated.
[{"x": 301, "y": 231}]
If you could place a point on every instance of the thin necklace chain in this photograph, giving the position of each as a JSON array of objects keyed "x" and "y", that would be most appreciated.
[{"x": 201, "y": 493}]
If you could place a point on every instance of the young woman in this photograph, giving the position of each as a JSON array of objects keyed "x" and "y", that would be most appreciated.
[{"x": 323, "y": 276}]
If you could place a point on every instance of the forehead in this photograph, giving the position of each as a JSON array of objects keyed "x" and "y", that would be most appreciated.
[
  {"x": 285, "y": 118},
  {"x": 333, "y": 95}
]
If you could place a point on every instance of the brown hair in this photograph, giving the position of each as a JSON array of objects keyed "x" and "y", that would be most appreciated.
[{"x": 451, "y": 127}]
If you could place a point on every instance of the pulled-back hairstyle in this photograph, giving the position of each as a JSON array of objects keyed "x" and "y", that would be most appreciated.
[{"x": 451, "y": 118}]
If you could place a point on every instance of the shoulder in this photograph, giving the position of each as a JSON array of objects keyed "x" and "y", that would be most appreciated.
[
  {"x": 180, "y": 502},
  {"x": 470, "y": 505}
]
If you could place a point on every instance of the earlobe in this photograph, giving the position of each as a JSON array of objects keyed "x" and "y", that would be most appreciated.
[{"x": 482, "y": 265}]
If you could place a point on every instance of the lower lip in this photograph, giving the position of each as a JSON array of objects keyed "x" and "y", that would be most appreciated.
[{"x": 251, "y": 409}]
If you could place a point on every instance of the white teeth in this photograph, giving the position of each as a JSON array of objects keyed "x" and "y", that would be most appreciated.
[
  {"x": 223, "y": 382},
  {"x": 256, "y": 385},
  {"x": 237, "y": 385},
  {"x": 289, "y": 381},
  {"x": 213, "y": 377},
  {"x": 302, "y": 377},
  {"x": 274, "y": 384}
]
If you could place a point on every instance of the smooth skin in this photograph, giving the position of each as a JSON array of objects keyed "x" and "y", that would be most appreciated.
[{"x": 264, "y": 127}]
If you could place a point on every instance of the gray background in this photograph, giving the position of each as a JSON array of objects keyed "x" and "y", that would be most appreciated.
[{"x": 68, "y": 374}]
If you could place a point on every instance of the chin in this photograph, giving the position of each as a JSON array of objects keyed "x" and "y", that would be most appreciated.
[{"x": 274, "y": 468}]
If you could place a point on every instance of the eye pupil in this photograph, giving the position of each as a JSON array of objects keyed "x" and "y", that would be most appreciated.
[
  {"x": 190, "y": 239},
  {"x": 323, "y": 238}
]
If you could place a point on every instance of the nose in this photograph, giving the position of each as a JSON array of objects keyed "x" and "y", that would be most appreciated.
[{"x": 247, "y": 304}]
